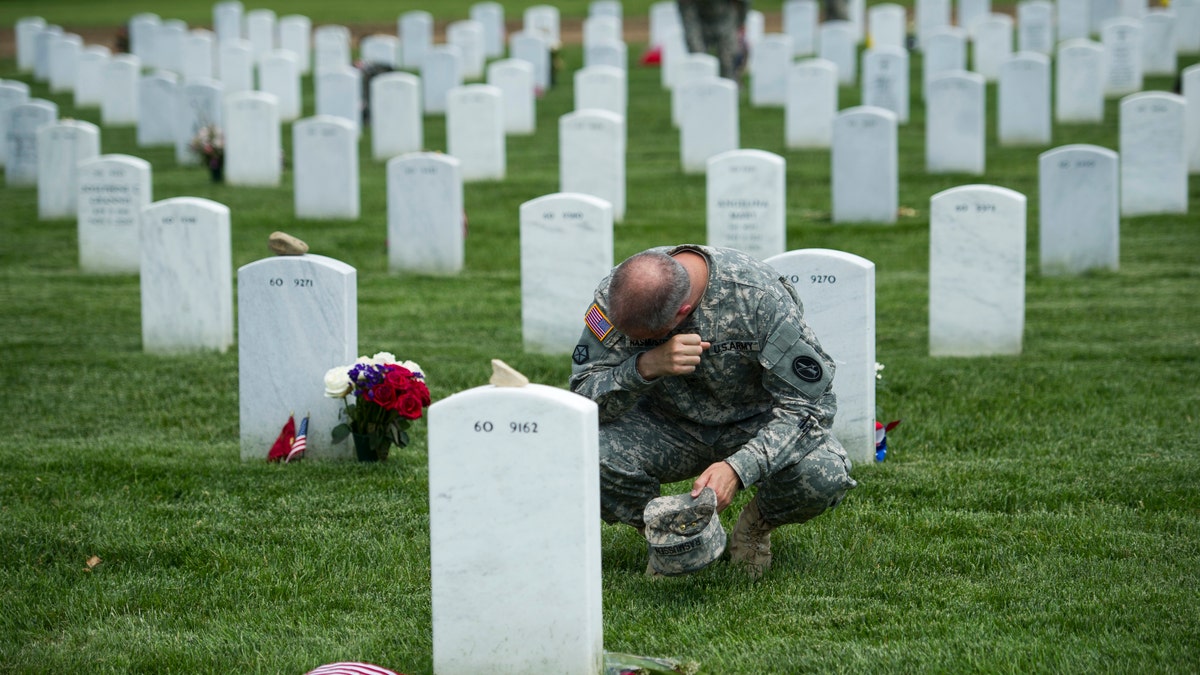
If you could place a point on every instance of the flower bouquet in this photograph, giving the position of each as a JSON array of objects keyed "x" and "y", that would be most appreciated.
[
  {"x": 388, "y": 396},
  {"x": 209, "y": 143}
]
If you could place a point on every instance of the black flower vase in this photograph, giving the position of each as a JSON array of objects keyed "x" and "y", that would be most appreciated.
[
  {"x": 217, "y": 171},
  {"x": 371, "y": 447}
]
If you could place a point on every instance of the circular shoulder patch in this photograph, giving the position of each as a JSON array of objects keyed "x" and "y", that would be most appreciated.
[{"x": 807, "y": 368}]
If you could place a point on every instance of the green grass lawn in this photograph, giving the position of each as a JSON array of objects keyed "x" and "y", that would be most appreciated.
[{"x": 1036, "y": 513}]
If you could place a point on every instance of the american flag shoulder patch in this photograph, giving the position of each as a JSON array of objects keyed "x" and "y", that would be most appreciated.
[{"x": 597, "y": 322}]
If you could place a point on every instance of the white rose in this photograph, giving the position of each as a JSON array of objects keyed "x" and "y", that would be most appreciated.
[
  {"x": 384, "y": 357},
  {"x": 337, "y": 382},
  {"x": 415, "y": 368}
]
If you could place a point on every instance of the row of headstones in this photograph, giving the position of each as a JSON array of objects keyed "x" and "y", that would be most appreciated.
[{"x": 1086, "y": 72}]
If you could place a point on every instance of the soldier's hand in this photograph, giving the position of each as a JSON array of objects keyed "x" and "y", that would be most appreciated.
[
  {"x": 722, "y": 479},
  {"x": 677, "y": 356}
]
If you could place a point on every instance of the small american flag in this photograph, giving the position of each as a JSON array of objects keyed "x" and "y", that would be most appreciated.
[
  {"x": 351, "y": 668},
  {"x": 597, "y": 322},
  {"x": 300, "y": 442}
]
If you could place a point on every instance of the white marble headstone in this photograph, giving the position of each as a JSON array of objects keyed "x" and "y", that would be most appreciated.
[
  {"x": 397, "y": 121},
  {"x": 838, "y": 44},
  {"x": 976, "y": 271},
  {"x": 566, "y": 249},
  {"x": 888, "y": 25},
  {"x": 119, "y": 104},
  {"x": 543, "y": 21},
  {"x": 260, "y": 31},
  {"x": 42, "y": 42},
  {"x": 1191, "y": 94},
  {"x": 416, "y": 37},
  {"x": 1154, "y": 172},
  {"x": 279, "y": 74},
  {"x": 441, "y": 71},
  {"x": 1159, "y": 48},
  {"x": 475, "y": 131},
  {"x": 1102, "y": 12},
  {"x": 1078, "y": 213},
  {"x": 380, "y": 49},
  {"x": 612, "y": 53},
  {"x": 468, "y": 36},
  {"x": 865, "y": 171},
  {"x": 325, "y": 152},
  {"x": 800, "y": 21},
  {"x": 601, "y": 29},
  {"x": 61, "y": 146},
  {"x": 425, "y": 227},
  {"x": 747, "y": 202},
  {"x": 1122, "y": 41},
  {"x": 811, "y": 105},
  {"x": 601, "y": 88},
  {"x": 1073, "y": 19},
  {"x": 295, "y": 35},
  {"x": 971, "y": 13},
  {"x": 1024, "y": 100},
  {"x": 945, "y": 50},
  {"x": 64, "y": 62},
  {"x": 12, "y": 92},
  {"x": 673, "y": 51},
  {"x": 339, "y": 94},
  {"x": 591, "y": 156},
  {"x": 691, "y": 68},
  {"x": 112, "y": 191},
  {"x": 490, "y": 15},
  {"x": 331, "y": 48},
  {"x": 768, "y": 75},
  {"x": 235, "y": 65},
  {"x": 186, "y": 276},
  {"x": 227, "y": 20},
  {"x": 199, "y": 56},
  {"x": 709, "y": 124},
  {"x": 253, "y": 140},
  {"x": 663, "y": 17},
  {"x": 885, "y": 80},
  {"x": 198, "y": 106},
  {"x": 158, "y": 98},
  {"x": 1187, "y": 32},
  {"x": 143, "y": 34},
  {"x": 837, "y": 290},
  {"x": 992, "y": 43},
  {"x": 21, "y": 122},
  {"x": 297, "y": 318},
  {"x": 89, "y": 76},
  {"x": 25, "y": 33},
  {"x": 514, "y": 79},
  {"x": 955, "y": 132},
  {"x": 1079, "y": 80},
  {"x": 531, "y": 48},
  {"x": 931, "y": 16},
  {"x": 168, "y": 45},
  {"x": 508, "y": 562},
  {"x": 1035, "y": 26}
]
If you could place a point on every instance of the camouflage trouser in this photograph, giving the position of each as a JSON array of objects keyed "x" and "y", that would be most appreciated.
[
  {"x": 644, "y": 449},
  {"x": 713, "y": 26}
]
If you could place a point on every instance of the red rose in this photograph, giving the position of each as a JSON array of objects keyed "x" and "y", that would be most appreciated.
[
  {"x": 384, "y": 394},
  {"x": 409, "y": 406},
  {"x": 421, "y": 391},
  {"x": 398, "y": 377}
]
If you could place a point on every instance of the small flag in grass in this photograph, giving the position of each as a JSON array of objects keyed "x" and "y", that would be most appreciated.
[
  {"x": 283, "y": 444},
  {"x": 300, "y": 442}
]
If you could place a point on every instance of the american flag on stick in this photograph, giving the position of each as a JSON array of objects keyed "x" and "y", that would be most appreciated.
[{"x": 300, "y": 442}]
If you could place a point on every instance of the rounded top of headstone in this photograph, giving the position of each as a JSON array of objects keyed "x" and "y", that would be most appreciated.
[{"x": 283, "y": 243}]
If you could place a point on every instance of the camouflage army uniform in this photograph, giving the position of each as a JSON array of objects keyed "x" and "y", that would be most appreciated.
[
  {"x": 714, "y": 26},
  {"x": 760, "y": 399}
]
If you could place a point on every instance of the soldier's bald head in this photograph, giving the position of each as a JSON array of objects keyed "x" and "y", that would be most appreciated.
[{"x": 646, "y": 292}]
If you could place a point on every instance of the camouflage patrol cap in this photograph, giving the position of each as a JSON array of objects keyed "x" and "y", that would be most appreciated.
[{"x": 683, "y": 534}]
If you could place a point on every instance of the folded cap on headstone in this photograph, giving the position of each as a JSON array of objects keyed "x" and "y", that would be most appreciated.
[
  {"x": 283, "y": 243},
  {"x": 683, "y": 533}
]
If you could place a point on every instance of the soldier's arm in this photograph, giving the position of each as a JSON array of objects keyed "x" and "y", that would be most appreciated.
[{"x": 798, "y": 374}]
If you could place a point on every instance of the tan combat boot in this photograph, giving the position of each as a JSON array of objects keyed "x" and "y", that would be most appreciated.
[{"x": 750, "y": 545}]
